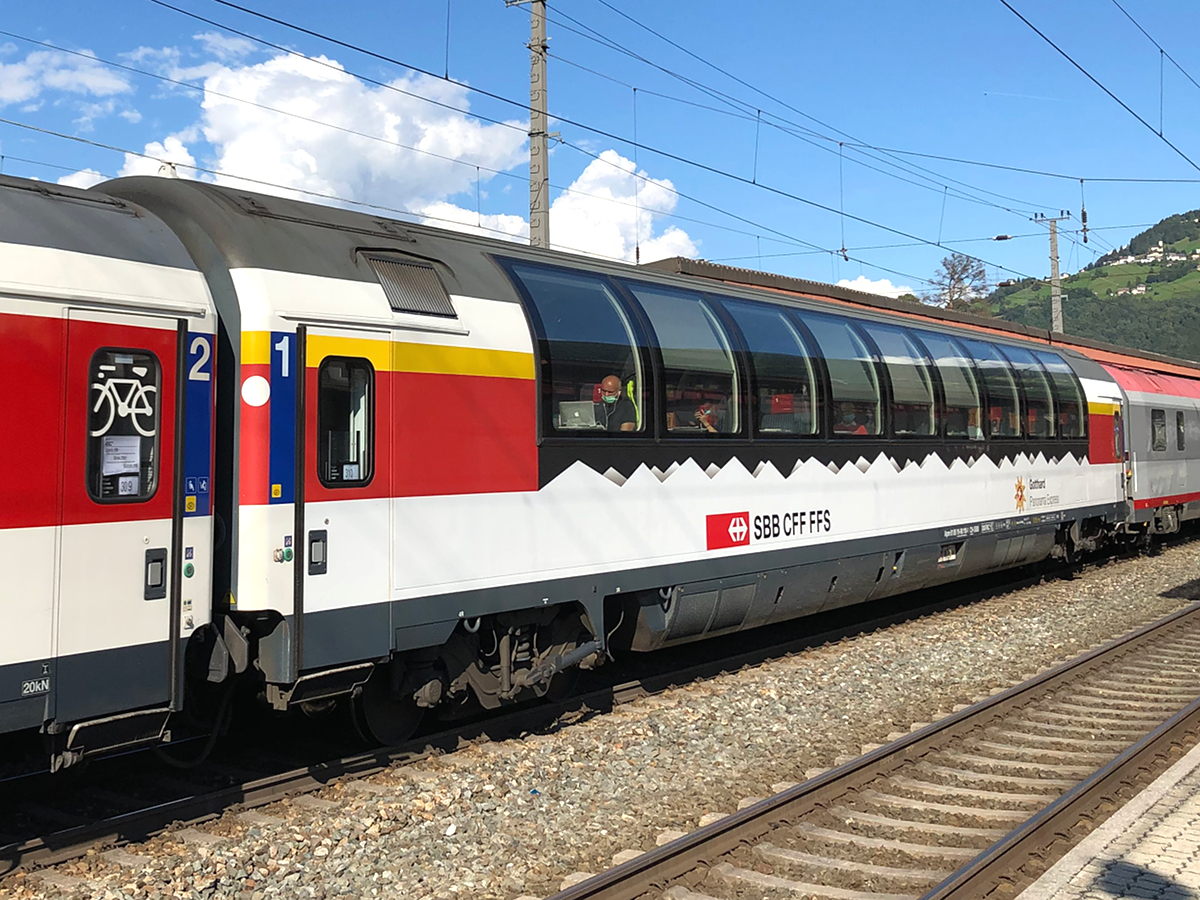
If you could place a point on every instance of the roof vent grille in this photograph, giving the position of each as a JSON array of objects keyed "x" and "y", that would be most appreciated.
[{"x": 412, "y": 287}]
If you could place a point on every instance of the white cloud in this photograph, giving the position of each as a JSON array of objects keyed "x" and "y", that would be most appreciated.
[
  {"x": 131, "y": 116},
  {"x": 882, "y": 286},
  {"x": 53, "y": 70},
  {"x": 171, "y": 149},
  {"x": 225, "y": 46},
  {"x": 447, "y": 215},
  {"x": 361, "y": 157},
  {"x": 598, "y": 215},
  {"x": 607, "y": 211},
  {"x": 84, "y": 178},
  {"x": 280, "y": 149}
]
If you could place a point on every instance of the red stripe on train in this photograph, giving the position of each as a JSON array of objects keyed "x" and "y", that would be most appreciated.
[{"x": 1173, "y": 500}]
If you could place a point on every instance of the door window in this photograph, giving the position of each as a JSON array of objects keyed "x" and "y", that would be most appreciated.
[
  {"x": 123, "y": 423},
  {"x": 345, "y": 421},
  {"x": 1180, "y": 431},
  {"x": 1158, "y": 429}
]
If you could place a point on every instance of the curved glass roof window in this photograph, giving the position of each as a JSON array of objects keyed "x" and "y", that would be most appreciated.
[
  {"x": 854, "y": 387},
  {"x": 785, "y": 399},
  {"x": 1068, "y": 399},
  {"x": 588, "y": 353},
  {"x": 1039, "y": 404},
  {"x": 699, "y": 371},
  {"x": 963, "y": 411},
  {"x": 912, "y": 389},
  {"x": 1004, "y": 403}
]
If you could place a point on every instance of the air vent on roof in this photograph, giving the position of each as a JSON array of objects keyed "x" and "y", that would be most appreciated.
[{"x": 412, "y": 287}]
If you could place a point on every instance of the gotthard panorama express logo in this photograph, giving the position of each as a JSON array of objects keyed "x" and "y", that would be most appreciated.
[{"x": 1020, "y": 494}]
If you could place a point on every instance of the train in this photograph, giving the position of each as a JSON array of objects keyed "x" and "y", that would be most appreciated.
[{"x": 328, "y": 457}]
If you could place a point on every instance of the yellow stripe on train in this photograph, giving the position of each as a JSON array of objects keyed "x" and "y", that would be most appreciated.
[
  {"x": 1103, "y": 409},
  {"x": 434, "y": 359}
]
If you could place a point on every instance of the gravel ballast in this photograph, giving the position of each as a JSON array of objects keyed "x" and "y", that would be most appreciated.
[{"x": 499, "y": 820}]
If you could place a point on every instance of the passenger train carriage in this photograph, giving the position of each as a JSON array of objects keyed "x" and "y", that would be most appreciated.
[
  {"x": 445, "y": 469},
  {"x": 106, "y": 356}
]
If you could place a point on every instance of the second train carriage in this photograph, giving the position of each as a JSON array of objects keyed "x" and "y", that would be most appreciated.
[
  {"x": 454, "y": 467},
  {"x": 106, "y": 359}
]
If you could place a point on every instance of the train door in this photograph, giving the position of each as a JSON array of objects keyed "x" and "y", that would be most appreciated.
[
  {"x": 1121, "y": 451},
  {"x": 344, "y": 513},
  {"x": 117, "y": 572}
]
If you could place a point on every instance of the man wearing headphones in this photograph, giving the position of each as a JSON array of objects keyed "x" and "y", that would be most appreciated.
[{"x": 615, "y": 411}]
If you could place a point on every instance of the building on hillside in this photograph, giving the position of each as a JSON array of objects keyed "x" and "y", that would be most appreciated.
[{"x": 1139, "y": 289}]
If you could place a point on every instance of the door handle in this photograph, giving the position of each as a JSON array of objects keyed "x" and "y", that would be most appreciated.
[
  {"x": 155, "y": 574},
  {"x": 318, "y": 552}
]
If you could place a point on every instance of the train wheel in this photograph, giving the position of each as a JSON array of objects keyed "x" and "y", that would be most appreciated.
[{"x": 384, "y": 716}]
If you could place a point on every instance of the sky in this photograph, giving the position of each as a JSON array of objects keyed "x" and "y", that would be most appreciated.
[{"x": 794, "y": 137}]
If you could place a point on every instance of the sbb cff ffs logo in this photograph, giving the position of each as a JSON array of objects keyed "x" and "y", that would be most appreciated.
[
  {"x": 740, "y": 528},
  {"x": 728, "y": 530}
]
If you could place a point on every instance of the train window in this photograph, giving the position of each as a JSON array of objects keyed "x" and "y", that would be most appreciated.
[
  {"x": 345, "y": 421},
  {"x": 1039, "y": 404},
  {"x": 785, "y": 399},
  {"x": 591, "y": 373},
  {"x": 1180, "y": 431},
  {"x": 964, "y": 412},
  {"x": 1004, "y": 405},
  {"x": 699, "y": 374},
  {"x": 1158, "y": 429},
  {"x": 123, "y": 424},
  {"x": 912, "y": 390},
  {"x": 1068, "y": 399},
  {"x": 853, "y": 384}
]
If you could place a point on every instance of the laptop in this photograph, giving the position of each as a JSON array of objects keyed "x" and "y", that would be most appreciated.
[{"x": 577, "y": 414}]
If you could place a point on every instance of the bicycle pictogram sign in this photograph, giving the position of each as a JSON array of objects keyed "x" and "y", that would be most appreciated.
[{"x": 125, "y": 398}]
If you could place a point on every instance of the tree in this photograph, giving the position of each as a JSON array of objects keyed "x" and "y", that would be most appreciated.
[
  {"x": 960, "y": 284},
  {"x": 909, "y": 298}
]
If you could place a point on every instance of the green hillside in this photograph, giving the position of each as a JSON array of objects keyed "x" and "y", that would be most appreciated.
[{"x": 1146, "y": 295}]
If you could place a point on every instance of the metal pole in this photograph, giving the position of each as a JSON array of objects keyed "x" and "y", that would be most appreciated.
[
  {"x": 1056, "y": 312},
  {"x": 539, "y": 160}
]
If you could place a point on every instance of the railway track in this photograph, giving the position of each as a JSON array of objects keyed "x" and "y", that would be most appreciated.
[
  {"x": 48, "y": 819},
  {"x": 973, "y": 806}
]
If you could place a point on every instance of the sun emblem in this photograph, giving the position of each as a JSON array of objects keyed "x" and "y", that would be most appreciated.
[{"x": 1019, "y": 496}]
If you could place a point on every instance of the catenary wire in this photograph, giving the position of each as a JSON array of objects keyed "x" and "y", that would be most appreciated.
[
  {"x": 351, "y": 131},
  {"x": 1092, "y": 78},
  {"x": 594, "y": 130},
  {"x": 593, "y": 34}
]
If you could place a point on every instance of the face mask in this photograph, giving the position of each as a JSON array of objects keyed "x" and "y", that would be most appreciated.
[{"x": 607, "y": 399}]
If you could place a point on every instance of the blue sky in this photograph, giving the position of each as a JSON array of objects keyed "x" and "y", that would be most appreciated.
[{"x": 953, "y": 79}]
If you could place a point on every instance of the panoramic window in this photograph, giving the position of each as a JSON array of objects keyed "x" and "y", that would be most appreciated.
[
  {"x": 1158, "y": 429},
  {"x": 785, "y": 399},
  {"x": 1068, "y": 400},
  {"x": 1004, "y": 405},
  {"x": 912, "y": 390},
  {"x": 699, "y": 374},
  {"x": 123, "y": 422},
  {"x": 591, "y": 373},
  {"x": 853, "y": 385},
  {"x": 345, "y": 421},
  {"x": 963, "y": 410},
  {"x": 1039, "y": 404}
]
